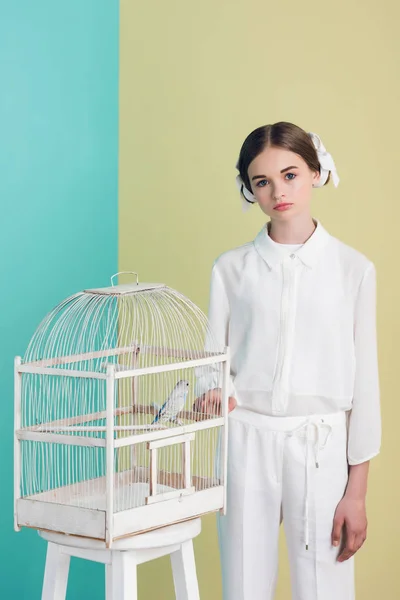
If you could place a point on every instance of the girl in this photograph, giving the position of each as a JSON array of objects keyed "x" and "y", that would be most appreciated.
[{"x": 297, "y": 308}]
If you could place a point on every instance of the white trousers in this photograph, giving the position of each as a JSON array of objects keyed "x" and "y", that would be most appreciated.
[{"x": 292, "y": 469}]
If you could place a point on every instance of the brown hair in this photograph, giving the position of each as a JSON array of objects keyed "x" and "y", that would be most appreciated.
[{"x": 280, "y": 135}]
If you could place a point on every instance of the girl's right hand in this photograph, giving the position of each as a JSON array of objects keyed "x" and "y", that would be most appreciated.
[{"x": 210, "y": 402}]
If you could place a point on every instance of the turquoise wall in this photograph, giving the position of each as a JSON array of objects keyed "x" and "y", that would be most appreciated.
[{"x": 58, "y": 218}]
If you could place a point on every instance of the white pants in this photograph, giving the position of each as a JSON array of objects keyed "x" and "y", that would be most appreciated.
[{"x": 290, "y": 468}]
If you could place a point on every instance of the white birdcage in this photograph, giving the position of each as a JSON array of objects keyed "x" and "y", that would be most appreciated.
[{"x": 98, "y": 450}]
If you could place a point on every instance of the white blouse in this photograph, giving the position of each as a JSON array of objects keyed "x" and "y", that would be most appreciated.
[{"x": 301, "y": 327}]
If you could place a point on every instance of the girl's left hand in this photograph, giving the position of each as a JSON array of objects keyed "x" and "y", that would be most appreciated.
[{"x": 351, "y": 519}]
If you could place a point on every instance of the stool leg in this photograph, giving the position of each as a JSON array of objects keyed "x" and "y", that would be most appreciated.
[
  {"x": 109, "y": 582},
  {"x": 55, "y": 573},
  {"x": 122, "y": 577},
  {"x": 184, "y": 572}
]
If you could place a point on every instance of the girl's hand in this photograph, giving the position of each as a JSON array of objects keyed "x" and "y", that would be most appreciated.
[
  {"x": 210, "y": 403},
  {"x": 351, "y": 519}
]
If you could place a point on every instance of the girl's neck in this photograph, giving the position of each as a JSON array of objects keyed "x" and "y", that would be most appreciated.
[{"x": 296, "y": 231}]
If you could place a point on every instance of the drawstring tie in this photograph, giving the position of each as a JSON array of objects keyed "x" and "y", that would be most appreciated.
[{"x": 307, "y": 427}]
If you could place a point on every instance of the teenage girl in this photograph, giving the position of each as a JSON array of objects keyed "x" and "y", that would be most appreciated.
[{"x": 298, "y": 309}]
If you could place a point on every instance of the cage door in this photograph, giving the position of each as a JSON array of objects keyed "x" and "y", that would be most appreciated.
[{"x": 182, "y": 480}]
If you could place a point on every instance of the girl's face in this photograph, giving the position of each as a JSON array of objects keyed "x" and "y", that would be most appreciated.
[{"x": 282, "y": 183}]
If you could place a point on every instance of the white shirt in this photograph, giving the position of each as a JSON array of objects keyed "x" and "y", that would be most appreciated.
[{"x": 301, "y": 327}]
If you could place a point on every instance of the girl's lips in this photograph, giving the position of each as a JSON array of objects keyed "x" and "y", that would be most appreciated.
[{"x": 284, "y": 206}]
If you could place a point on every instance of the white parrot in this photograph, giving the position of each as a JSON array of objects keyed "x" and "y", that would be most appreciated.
[{"x": 174, "y": 403}]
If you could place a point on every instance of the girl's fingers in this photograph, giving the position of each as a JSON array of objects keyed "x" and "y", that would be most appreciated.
[
  {"x": 232, "y": 404},
  {"x": 198, "y": 404},
  {"x": 337, "y": 531},
  {"x": 346, "y": 555},
  {"x": 210, "y": 404},
  {"x": 215, "y": 407},
  {"x": 360, "y": 539},
  {"x": 350, "y": 548}
]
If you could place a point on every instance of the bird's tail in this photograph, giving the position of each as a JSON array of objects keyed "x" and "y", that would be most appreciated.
[{"x": 157, "y": 412}]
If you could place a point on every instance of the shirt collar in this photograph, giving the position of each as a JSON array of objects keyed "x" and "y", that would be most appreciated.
[{"x": 308, "y": 253}]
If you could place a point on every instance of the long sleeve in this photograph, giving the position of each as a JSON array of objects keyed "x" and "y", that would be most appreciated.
[
  {"x": 218, "y": 336},
  {"x": 364, "y": 436}
]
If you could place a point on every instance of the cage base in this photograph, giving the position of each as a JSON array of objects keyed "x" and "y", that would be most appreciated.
[{"x": 39, "y": 513}]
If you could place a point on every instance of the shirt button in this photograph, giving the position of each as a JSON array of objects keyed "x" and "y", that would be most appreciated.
[{"x": 292, "y": 256}]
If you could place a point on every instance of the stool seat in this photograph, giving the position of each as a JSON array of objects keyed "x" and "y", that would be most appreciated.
[
  {"x": 165, "y": 536},
  {"x": 122, "y": 559}
]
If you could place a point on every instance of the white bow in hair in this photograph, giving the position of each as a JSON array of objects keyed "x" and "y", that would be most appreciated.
[
  {"x": 248, "y": 199},
  {"x": 325, "y": 160}
]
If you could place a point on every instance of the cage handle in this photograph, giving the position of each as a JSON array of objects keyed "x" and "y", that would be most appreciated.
[{"x": 125, "y": 273}]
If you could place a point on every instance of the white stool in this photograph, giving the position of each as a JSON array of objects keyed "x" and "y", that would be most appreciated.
[{"x": 121, "y": 560}]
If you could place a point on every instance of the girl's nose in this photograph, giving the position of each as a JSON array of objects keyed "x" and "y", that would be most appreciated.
[{"x": 277, "y": 196}]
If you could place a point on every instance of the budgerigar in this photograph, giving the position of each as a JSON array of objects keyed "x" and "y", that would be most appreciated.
[{"x": 174, "y": 403}]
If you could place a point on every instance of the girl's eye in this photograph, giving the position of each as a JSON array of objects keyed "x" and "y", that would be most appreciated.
[
  {"x": 291, "y": 176},
  {"x": 262, "y": 183}
]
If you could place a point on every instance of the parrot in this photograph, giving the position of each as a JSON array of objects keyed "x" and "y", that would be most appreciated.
[{"x": 174, "y": 403}]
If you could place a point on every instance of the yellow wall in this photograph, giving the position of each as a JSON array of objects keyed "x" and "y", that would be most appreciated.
[{"x": 196, "y": 78}]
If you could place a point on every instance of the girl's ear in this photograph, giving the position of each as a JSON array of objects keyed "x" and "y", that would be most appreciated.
[{"x": 315, "y": 179}]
